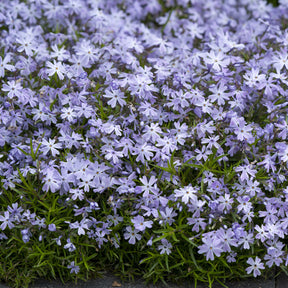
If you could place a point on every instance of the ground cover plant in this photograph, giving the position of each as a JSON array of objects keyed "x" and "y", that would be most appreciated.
[{"x": 148, "y": 138}]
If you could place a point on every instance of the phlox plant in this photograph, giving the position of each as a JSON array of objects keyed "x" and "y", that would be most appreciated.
[{"x": 145, "y": 138}]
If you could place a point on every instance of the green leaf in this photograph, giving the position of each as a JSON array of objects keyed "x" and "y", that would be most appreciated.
[
  {"x": 23, "y": 151},
  {"x": 29, "y": 187},
  {"x": 194, "y": 260},
  {"x": 188, "y": 240}
]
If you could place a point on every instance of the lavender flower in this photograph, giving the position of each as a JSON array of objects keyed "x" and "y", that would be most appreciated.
[
  {"x": 52, "y": 227},
  {"x": 140, "y": 223},
  {"x": 256, "y": 265},
  {"x": 111, "y": 118},
  {"x": 74, "y": 268},
  {"x": 132, "y": 235},
  {"x": 70, "y": 246},
  {"x": 165, "y": 247},
  {"x": 6, "y": 221},
  {"x": 210, "y": 248},
  {"x": 187, "y": 194}
]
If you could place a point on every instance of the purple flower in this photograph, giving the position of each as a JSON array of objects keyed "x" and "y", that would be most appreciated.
[
  {"x": 80, "y": 226},
  {"x": 116, "y": 97},
  {"x": 26, "y": 234},
  {"x": 165, "y": 247},
  {"x": 231, "y": 257},
  {"x": 132, "y": 235},
  {"x": 140, "y": 223},
  {"x": 74, "y": 268},
  {"x": 274, "y": 256},
  {"x": 112, "y": 97},
  {"x": 13, "y": 88},
  {"x": 148, "y": 185},
  {"x": 6, "y": 221},
  {"x": 256, "y": 265},
  {"x": 241, "y": 130},
  {"x": 217, "y": 60},
  {"x": 210, "y": 247},
  {"x": 204, "y": 153},
  {"x": 115, "y": 219},
  {"x": 228, "y": 239},
  {"x": 219, "y": 94},
  {"x": 15, "y": 211},
  {"x": 56, "y": 67},
  {"x": 197, "y": 223},
  {"x": 254, "y": 78},
  {"x": 280, "y": 59},
  {"x": 225, "y": 203},
  {"x": 70, "y": 246},
  {"x": 4, "y": 65},
  {"x": 52, "y": 227},
  {"x": 168, "y": 215},
  {"x": 51, "y": 146},
  {"x": 77, "y": 193},
  {"x": 246, "y": 171},
  {"x": 246, "y": 239},
  {"x": 144, "y": 152},
  {"x": 52, "y": 181},
  {"x": 269, "y": 214},
  {"x": 68, "y": 113},
  {"x": 187, "y": 194}
]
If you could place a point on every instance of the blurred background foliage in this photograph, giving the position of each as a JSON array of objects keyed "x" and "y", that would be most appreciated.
[{"x": 273, "y": 2}]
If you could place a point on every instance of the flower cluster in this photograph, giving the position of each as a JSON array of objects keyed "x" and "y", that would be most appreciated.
[{"x": 119, "y": 118}]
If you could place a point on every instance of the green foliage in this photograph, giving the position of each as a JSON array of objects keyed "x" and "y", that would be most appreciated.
[{"x": 273, "y": 2}]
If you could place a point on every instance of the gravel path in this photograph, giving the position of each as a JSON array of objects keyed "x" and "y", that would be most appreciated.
[{"x": 110, "y": 281}]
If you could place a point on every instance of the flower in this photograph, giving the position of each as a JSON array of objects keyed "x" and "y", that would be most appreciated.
[
  {"x": 273, "y": 256},
  {"x": 219, "y": 94},
  {"x": 51, "y": 146},
  {"x": 6, "y": 221},
  {"x": 168, "y": 216},
  {"x": 144, "y": 152},
  {"x": 217, "y": 60},
  {"x": 13, "y": 88},
  {"x": 80, "y": 226},
  {"x": 210, "y": 247},
  {"x": 140, "y": 223},
  {"x": 246, "y": 169},
  {"x": 187, "y": 193},
  {"x": 256, "y": 265},
  {"x": 116, "y": 100},
  {"x": 211, "y": 141},
  {"x": 116, "y": 97},
  {"x": 56, "y": 67},
  {"x": 197, "y": 223},
  {"x": 4, "y": 65},
  {"x": 280, "y": 60},
  {"x": 60, "y": 53},
  {"x": 148, "y": 185},
  {"x": 132, "y": 235},
  {"x": 70, "y": 246},
  {"x": 52, "y": 227},
  {"x": 74, "y": 268},
  {"x": 231, "y": 257},
  {"x": 77, "y": 193},
  {"x": 52, "y": 181},
  {"x": 168, "y": 145},
  {"x": 254, "y": 79},
  {"x": 204, "y": 153},
  {"x": 246, "y": 239},
  {"x": 68, "y": 113},
  {"x": 165, "y": 247},
  {"x": 225, "y": 203},
  {"x": 228, "y": 239}
]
